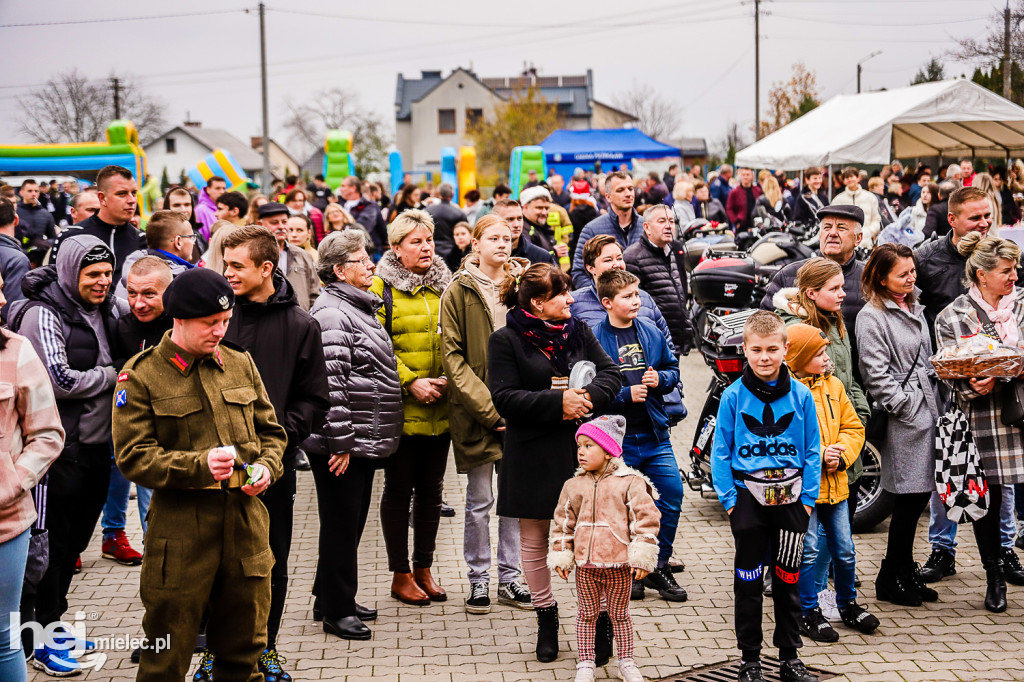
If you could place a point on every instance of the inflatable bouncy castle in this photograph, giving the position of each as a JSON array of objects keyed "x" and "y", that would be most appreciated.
[
  {"x": 338, "y": 161},
  {"x": 467, "y": 172},
  {"x": 220, "y": 163},
  {"x": 525, "y": 159}
]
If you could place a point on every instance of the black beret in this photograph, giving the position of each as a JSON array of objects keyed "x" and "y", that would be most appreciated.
[
  {"x": 272, "y": 208},
  {"x": 197, "y": 293},
  {"x": 843, "y": 211}
]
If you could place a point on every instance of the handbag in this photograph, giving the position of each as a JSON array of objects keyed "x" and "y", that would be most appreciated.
[
  {"x": 959, "y": 475},
  {"x": 1012, "y": 400},
  {"x": 773, "y": 487},
  {"x": 878, "y": 422},
  {"x": 674, "y": 406}
]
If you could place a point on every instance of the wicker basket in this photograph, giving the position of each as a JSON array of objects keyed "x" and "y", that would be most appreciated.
[{"x": 978, "y": 366}]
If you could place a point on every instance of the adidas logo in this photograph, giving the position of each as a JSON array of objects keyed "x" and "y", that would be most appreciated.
[{"x": 768, "y": 426}]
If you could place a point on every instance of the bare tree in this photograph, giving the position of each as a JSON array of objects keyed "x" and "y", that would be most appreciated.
[
  {"x": 72, "y": 108},
  {"x": 334, "y": 108},
  {"x": 1003, "y": 39},
  {"x": 655, "y": 115}
]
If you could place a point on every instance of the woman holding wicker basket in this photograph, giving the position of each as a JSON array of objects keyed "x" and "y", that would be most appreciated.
[{"x": 993, "y": 308}]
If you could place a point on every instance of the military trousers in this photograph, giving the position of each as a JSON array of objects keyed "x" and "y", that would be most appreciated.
[{"x": 205, "y": 548}]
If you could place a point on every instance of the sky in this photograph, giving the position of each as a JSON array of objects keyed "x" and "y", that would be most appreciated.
[{"x": 201, "y": 57}]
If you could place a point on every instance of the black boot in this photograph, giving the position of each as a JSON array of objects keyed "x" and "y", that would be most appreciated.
[
  {"x": 547, "y": 633},
  {"x": 892, "y": 586},
  {"x": 941, "y": 564},
  {"x": 603, "y": 640},
  {"x": 913, "y": 577},
  {"x": 1011, "y": 567},
  {"x": 995, "y": 595}
]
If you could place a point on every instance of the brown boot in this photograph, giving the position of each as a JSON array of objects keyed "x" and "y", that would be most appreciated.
[
  {"x": 404, "y": 589},
  {"x": 427, "y": 583}
]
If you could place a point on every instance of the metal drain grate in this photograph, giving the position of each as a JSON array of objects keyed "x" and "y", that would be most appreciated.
[{"x": 729, "y": 670}]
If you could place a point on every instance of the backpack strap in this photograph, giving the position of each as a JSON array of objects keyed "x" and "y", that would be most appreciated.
[{"x": 389, "y": 307}]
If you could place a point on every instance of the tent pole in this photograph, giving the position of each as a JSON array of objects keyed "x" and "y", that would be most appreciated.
[{"x": 830, "y": 180}]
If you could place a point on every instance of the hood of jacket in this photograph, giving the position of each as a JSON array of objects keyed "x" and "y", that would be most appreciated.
[
  {"x": 783, "y": 300},
  {"x": 60, "y": 281},
  {"x": 284, "y": 295},
  {"x": 391, "y": 270},
  {"x": 618, "y": 467}
]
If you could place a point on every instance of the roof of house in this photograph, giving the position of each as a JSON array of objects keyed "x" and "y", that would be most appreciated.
[
  {"x": 573, "y": 94},
  {"x": 216, "y": 138}
]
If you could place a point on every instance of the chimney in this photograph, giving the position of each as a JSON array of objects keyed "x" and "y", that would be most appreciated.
[
  {"x": 193, "y": 124},
  {"x": 256, "y": 142}
]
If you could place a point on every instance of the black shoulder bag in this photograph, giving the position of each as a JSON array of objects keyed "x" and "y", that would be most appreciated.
[{"x": 878, "y": 422}]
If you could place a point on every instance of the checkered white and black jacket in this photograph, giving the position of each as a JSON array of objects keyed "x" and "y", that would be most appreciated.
[{"x": 1001, "y": 447}]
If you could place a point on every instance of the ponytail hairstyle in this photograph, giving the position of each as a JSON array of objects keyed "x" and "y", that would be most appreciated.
[
  {"x": 984, "y": 254},
  {"x": 541, "y": 280},
  {"x": 812, "y": 276}
]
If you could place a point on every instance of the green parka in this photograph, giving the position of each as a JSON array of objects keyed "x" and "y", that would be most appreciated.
[
  {"x": 841, "y": 353},
  {"x": 467, "y": 320},
  {"x": 415, "y": 335}
]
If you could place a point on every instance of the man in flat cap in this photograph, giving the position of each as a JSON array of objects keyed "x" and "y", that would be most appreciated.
[
  {"x": 297, "y": 265},
  {"x": 192, "y": 421}
]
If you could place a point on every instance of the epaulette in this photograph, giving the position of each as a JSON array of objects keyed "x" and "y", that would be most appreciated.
[{"x": 134, "y": 360}]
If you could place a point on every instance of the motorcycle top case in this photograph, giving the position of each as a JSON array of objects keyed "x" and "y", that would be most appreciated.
[{"x": 724, "y": 282}]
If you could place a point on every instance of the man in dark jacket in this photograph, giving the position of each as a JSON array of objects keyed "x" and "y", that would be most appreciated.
[
  {"x": 936, "y": 222},
  {"x": 511, "y": 212},
  {"x": 446, "y": 215},
  {"x": 657, "y": 259},
  {"x": 367, "y": 213},
  {"x": 117, "y": 192},
  {"x": 740, "y": 204},
  {"x": 14, "y": 264},
  {"x": 69, "y": 316},
  {"x": 36, "y": 228},
  {"x": 720, "y": 186},
  {"x": 622, "y": 222},
  {"x": 839, "y": 235},
  {"x": 812, "y": 197},
  {"x": 284, "y": 341}
]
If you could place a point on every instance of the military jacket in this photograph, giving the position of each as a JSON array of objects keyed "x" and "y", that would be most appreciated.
[{"x": 171, "y": 409}]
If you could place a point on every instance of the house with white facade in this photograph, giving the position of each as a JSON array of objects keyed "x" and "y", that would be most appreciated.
[{"x": 182, "y": 147}]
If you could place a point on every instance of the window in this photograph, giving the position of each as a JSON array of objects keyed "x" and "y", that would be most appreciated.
[
  {"x": 171, "y": 145},
  {"x": 473, "y": 117},
  {"x": 446, "y": 120}
]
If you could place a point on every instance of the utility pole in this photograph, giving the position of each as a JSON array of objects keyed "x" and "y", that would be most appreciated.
[
  {"x": 1007, "y": 64},
  {"x": 263, "y": 86},
  {"x": 757, "y": 70},
  {"x": 116, "y": 84},
  {"x": 861, "y": 62}
]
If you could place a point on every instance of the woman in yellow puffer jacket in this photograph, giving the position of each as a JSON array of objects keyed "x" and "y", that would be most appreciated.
[{"x": 842, "y": 437}]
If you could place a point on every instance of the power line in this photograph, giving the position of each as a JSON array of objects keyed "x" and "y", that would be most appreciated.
[
  {"x": 913, "y": 23},
  {"x": 121, "y": 19}
]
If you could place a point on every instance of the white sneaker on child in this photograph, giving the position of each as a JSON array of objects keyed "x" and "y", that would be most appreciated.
[
  {"x": 827, "y": 604},
  {"x": 585, "y": 671},
  {"x": 629, "y": 671}
]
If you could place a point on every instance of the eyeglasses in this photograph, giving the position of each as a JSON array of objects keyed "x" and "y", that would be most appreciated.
[
  {"x": 190, "y": 235},
  {"x": 365, "y": 260}
]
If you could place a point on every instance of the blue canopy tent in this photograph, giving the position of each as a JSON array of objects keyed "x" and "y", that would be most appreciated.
[{"x": 565, "y": 150}]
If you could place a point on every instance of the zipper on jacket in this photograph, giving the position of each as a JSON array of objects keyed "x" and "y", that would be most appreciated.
[{"x": 593, "y": 525}]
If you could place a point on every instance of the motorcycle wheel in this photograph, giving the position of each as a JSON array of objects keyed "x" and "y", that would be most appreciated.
[{"x": 874, "y": 504}]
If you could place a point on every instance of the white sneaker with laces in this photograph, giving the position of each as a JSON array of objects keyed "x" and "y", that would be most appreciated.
[
  {"x": 585, "y": 671},
  {"x": 827, "y": 604},
  {"x": 629, "y": 671}
]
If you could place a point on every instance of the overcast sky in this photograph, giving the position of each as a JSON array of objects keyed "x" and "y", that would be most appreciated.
[{"x": 699, "y": 54}]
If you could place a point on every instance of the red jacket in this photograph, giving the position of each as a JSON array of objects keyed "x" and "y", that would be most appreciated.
[{"x": 736, "y": 206}]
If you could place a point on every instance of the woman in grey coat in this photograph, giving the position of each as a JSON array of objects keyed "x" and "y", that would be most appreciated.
[
  {"x": 994, "y": 307},
  {"x": 361, "y": 430},
  {"x": 894, "y": 345}
]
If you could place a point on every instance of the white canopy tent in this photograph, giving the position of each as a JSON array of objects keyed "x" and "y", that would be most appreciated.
[{"x": 947, "y": 119}]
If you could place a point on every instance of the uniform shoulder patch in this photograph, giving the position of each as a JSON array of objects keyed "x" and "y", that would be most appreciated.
[
  {"x": 123, "y": 376},
  {"x": 121, "y": 398}
]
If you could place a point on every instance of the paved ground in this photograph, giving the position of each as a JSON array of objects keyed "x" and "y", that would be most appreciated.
[{"x": 955, "y": 639}]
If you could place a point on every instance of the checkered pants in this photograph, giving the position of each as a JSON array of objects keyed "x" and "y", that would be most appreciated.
[{"x": 613, "y": 584}]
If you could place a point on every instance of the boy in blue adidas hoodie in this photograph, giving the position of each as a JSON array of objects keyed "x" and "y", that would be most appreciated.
[{"x": 766, "y": 466}]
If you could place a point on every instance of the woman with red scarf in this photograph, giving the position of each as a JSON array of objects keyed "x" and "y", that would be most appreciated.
[{"x": 529, "y": 364}]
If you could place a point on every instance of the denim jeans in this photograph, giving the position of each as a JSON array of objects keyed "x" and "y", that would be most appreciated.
[
  {"x": 655, "y": 459},
  {"x": 835, "y": 519},
  {"x": 942, "y": 531},
  {"x": 13, "y": 556},
  {"x": 476, "y": 546},
  {"x": 115, "y": 510}
]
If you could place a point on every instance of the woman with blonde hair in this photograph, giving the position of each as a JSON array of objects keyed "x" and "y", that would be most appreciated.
[
  {"x": 213, "y": 258},
  {"x": 337, "y": 219},
  {"x": 994, "y": 307},
  {"x": 984, "y": 182},
  {"x": 682, "y": 193},
  {"x": 771, "y": 203},
  {"x": 253, "y": 216}
]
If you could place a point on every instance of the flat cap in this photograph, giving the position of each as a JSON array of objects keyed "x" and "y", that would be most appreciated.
[
  {"x": 271, "y": 208},
  {"x": 198, "y": 293},
  {"x": 843, "y": 211}
]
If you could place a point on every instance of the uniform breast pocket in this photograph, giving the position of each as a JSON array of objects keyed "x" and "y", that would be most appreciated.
[
  {"x": 173, "y": 417},
  {"x": 240, "y": 403}
]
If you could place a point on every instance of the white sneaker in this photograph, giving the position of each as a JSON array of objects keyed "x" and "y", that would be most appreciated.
[
  {"x": 827, "y": 604},
  {"x": 629, "y": 671},
  {"x": 585, "y": 671}
]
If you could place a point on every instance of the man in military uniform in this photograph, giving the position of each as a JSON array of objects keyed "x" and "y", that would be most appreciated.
[{"x": 192, "y": 421}]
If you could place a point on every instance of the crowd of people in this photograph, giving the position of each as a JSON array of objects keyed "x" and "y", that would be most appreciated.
[{"x": 238, "y": 339}]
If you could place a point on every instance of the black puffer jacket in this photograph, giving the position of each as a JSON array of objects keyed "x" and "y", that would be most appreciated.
[
  {"x": 365, "y": 417},
  {"x": 940, "y": 274},
  {"x": 664, "y": 278},
  {"x": 284, "y": 342}
]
